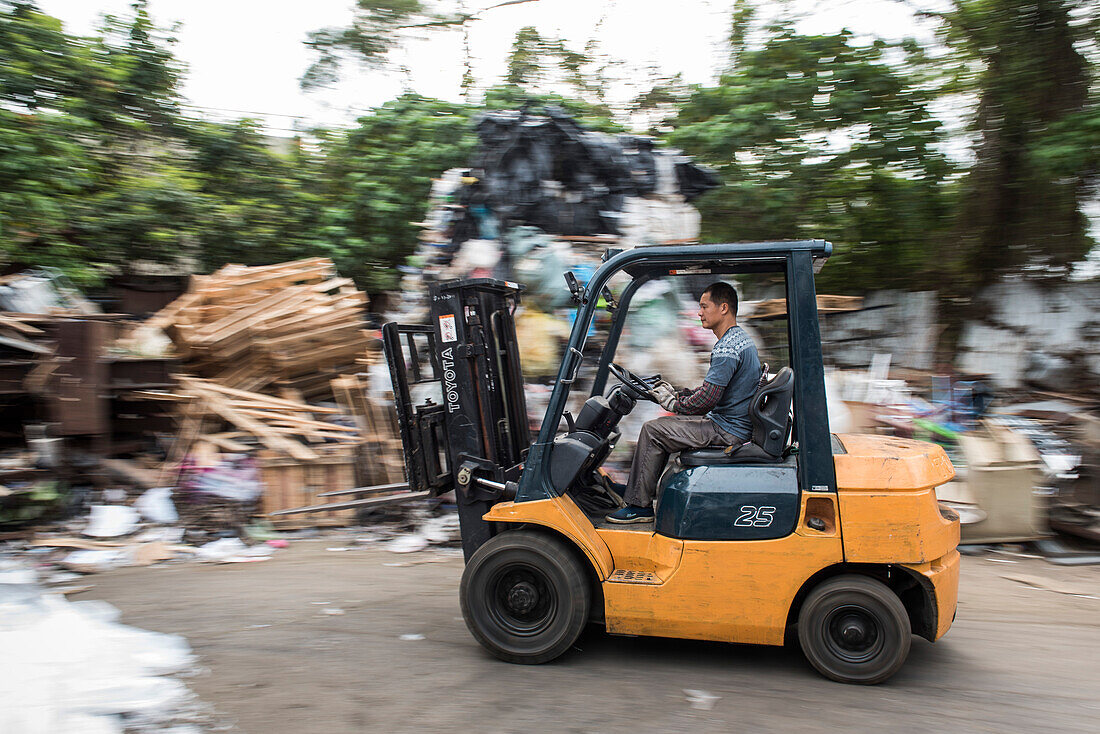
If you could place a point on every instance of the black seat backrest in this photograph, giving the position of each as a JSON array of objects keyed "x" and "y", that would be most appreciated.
[{"x": 770, "y": 413}]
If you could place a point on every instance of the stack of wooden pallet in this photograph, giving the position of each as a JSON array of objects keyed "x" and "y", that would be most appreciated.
[
  {"x": 252, "y": 327},
  {"x": 304, "y": 452},
  {"x": 298, "y": 455}
]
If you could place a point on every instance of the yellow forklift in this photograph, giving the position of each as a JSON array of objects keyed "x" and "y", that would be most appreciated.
[{"x": 836, "y": 539}]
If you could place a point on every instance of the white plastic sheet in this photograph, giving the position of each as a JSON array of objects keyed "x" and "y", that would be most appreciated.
[{"x": 71, "y": 668}]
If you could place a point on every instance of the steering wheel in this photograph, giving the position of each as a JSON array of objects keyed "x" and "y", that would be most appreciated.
[{"x": 635, "y": 386}]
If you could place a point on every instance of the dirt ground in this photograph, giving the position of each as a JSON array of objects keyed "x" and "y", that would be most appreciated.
[{"x": 1020, "y": 657}]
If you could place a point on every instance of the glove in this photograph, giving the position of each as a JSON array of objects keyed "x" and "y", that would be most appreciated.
[{"x": 663, "y": 395}]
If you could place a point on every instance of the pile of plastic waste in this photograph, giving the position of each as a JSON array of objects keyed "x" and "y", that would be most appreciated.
[
  {"x": 544, "y": 196},
  {"x": 72, "y": 668}
]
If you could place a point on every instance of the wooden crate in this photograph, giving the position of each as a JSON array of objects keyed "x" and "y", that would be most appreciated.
[{"x": 291, "y": 483}]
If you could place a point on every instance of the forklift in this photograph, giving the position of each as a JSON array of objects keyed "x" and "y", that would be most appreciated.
[{"x": 837, "y": 540}]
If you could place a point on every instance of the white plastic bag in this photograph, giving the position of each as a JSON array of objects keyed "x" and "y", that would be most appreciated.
[
  {"x": 111, "y": 521},
  {"x": 156, "y": 506}
]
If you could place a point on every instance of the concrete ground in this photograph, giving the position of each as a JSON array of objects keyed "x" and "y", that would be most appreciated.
[{"x": 1023, "y": 655}]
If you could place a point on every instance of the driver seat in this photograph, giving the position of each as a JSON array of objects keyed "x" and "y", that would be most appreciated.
[{"x": 770, "y": 413}]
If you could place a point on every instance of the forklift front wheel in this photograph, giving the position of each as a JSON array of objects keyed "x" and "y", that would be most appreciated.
[
  {"x": 854, "y": 629},
  {"x": 525, "y": 597}
]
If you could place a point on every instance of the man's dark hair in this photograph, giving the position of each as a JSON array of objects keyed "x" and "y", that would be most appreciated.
[{"x": 722, "y": 292}]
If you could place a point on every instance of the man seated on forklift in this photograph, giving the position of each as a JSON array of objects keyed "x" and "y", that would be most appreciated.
[{"x": 715, "y": 414}]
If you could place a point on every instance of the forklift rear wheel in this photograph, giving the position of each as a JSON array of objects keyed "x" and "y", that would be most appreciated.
[
  {"x": 854, "y": 629},
  {"x": 525, "y": 597}
]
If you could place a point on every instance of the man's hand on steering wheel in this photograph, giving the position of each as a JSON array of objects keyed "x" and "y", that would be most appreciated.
[{"x": 664, "y": 395}]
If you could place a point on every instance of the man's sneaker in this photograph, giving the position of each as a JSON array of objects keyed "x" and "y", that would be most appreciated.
[{"x": 631, "y": 514}]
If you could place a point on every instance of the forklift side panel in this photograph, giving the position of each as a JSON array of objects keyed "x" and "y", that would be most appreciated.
[
  {"x": 733, "y": 591},
  {"x": 888, "y": 504},
  {"x": 943, "y": 574},
  {"x": 895, "y": 527},
  {"x": 563, "y": 515},
  {"x": 730, "y": 503}
]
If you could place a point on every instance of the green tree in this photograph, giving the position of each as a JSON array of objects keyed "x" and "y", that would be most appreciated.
[
  {"x": 377, "y": 28},
  {"x": 591, "y": 115},
  {"x": 258, "y": 204},
  {"x": 818, "y": 136},
  {"x": 1037, "y": 133},
  {"x": 44, "y": 169},
  {"x": 536, "y": 62},
  {"x": 379, "y": 175},
  {"x": 90, "y": 176}
]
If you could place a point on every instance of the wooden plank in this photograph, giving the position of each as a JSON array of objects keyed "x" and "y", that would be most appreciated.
[
  {"x": 256, "y": 398},
  {"x": 302, "y": 423},
  {"x": 271, "y": 438},
  {"x": 19, "y": 326},
  {"x": 225, "y": 444},
  {"x": 368, "y": 502},
  {"x": 189, "y": 429}
]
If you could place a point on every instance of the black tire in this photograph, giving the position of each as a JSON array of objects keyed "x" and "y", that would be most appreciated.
[
  {"x": 854, "y": 629},
  {"x": 525, "y": 597}
]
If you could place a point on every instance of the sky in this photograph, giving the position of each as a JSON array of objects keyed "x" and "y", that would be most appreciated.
[{"x": 244, "y": 57}]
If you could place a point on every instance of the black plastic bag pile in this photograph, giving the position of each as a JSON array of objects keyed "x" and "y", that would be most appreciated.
[{"x": 548, "y": 172}]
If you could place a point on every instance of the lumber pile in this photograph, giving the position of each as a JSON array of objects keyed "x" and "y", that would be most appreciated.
[
  {"x": 295, "y": 324},
  {"x": 377, "y": 423},
  {"x": 274, "y": 355},
  {"x": 285, "y": 426},
  {"x": 301, "y": 450}
]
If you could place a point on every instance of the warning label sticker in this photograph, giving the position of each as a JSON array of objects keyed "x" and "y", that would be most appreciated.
[{"x": 447, "y": 330}]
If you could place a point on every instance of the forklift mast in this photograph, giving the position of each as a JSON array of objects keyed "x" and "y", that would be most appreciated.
[{"x": 458, "y": 390}]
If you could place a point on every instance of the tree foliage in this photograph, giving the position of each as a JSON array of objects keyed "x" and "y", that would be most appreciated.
[
  {"x": 536, "y": 61},
  {"x": 1036, "y": 132},
  {"x": 813, "y": 135},
  {"x": 818, "y": 136},
  {"x": 377, "y": 28}
]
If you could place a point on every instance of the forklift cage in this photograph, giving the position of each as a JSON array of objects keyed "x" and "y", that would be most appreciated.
[{"x": 797, "y": 260}]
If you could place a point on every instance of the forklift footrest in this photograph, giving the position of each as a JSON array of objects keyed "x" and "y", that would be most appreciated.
[{"x": 623, "y": 576}]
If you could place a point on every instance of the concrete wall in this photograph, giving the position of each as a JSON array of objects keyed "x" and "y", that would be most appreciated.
[
  {"x": 896, "y": 322},
  {"x": 1050, "y": 335}
]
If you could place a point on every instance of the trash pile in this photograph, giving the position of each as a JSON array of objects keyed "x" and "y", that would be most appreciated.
[
  {"x": 1025, "y": 468},
  {"x": 248, "y": 394},
  {"x": 50, "y": 374},
  {"x": 276, "y": 411},
  {"x": 548, "y": 173},
  {"x": 73, "y": 667},
  {"x": 543, "y": 196}
]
